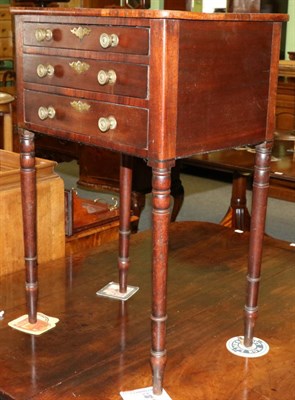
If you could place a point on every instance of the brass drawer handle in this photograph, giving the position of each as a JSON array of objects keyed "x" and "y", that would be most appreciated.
[
  {"x": 79, "y": 66},
  {"x": 107, "y": 41},
  {"x": 45, "y": 70},
  {"x": 43, "y": 34},
  {"x": 80, "y": 32},
  {"x": 80, "y": 106},
  {"x": 106, "y": 77},
  {"x": 107, "y": 123},
  {"x": 44, "y": 113}
]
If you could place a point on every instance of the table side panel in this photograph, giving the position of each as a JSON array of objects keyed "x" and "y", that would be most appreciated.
[
  {"x": 163, "y": 85},
  {"x": 224, "y": 76}
]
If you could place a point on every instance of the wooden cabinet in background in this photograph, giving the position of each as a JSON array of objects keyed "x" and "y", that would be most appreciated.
[
  {"x": 50, "y": 215},
  {"x": 285, "y": 106},
  {"x": 6, "y": 41},
  {"x": 6, "y": 46}
]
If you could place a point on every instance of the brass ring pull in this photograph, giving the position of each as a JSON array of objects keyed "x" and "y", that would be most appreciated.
[
  {"x": 44, "y": 113},
  {"x": 45, "y": 70},
  {"x": 107, "y": 41},
  {"x": 43, "y": 34},
  {"x": 106, "y": 77},
  {"x": 105, "y": 124}
]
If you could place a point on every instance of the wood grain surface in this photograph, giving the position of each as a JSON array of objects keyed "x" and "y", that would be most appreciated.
[{"x": 101, "y": 346}]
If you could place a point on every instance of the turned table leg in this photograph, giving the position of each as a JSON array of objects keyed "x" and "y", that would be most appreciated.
[
  {"x": 28, "y": 190},
  {"x": 124, "y": 228},
  {"x": 259, "y": 205},
  {"x": 161, "y": 182}
]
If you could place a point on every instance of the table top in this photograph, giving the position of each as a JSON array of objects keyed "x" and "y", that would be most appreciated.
[
  {"x": 242, "y": 159},
  {"x": 150, "y": 14},
  {"x": 287, "y": 68}
]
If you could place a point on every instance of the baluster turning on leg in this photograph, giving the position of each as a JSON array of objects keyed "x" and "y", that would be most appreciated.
[
  {"x": 28, "y": 190},
  {"x": 124, "y": 231},
  {"x": 259, "y": 206},
  {"x": 161, "y": 183},
  {"x": 248, "y": 345}
]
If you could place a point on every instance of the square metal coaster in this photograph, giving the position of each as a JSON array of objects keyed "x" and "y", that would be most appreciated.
[
  {"x": 43, "y": 324},
  {"x": 144, "y": 394},
  {"x": 112, "y": 291}
]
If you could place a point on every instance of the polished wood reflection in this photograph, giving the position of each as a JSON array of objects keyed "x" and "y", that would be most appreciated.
[{"x": 101, "y": 346}]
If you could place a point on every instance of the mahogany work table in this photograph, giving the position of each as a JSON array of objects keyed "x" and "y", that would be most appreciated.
[{"x": 159, "y": 85}]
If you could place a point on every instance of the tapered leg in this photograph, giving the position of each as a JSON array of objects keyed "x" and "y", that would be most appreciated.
[
  {"x": 28, "y": 190},
  {"x": 124, "y": 230},
  {"x": 161, "y": 217},
  {"x": 259, "y": 205}
]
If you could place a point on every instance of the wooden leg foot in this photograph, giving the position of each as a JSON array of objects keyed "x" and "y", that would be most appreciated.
[{"x": 158, "y": 362}]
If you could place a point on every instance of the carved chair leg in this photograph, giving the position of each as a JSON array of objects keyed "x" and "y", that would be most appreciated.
[{"x": 259, "y": 204}]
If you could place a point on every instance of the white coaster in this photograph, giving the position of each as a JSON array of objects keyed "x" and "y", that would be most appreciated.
[
  {"x": 43, "y": 324},
  {"x": 144, "y": 394},
  {"x": 112, "y": 290},
  {"x": 236, "y": 346}
]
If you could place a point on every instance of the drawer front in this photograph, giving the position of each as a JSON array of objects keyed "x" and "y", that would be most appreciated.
[
  {"x": 5, "y": 29},
  {"x": 6, "y": 50},
  {"x": 105, "y": 77},
  {"x": 82, "y": 116},
  {"x": 117, "y": 39},
  {"x": 4, "y": 15}
]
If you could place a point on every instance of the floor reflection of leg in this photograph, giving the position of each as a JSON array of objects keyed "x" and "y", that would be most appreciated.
[
  {"x": 161, "y": 218},
  {"x": 28, "y": 186},
  {"x": 124, "y": 230},
  {"x": 259, "y": 205}
]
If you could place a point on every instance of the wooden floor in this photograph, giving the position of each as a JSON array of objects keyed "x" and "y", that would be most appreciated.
[{"x": 101, "y": 346}]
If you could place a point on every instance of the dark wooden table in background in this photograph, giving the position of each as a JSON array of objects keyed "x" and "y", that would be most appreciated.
[{"x": 239, "y": 164}]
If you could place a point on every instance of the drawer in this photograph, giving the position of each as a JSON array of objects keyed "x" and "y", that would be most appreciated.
[
  {"x": 81, "y": 116},
  {"x": 4, "y": 15},
  {"x": 5, "y": 29},
  {"x": 105, "y": 77},
  {"x": 114, "y": 39},
  {"x": 6, "y": 50}
]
